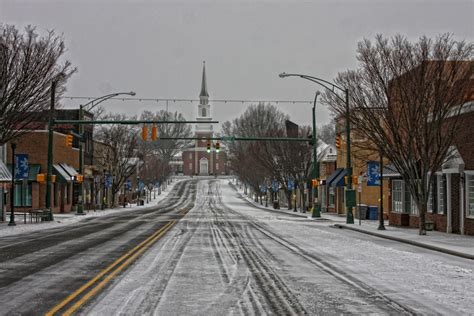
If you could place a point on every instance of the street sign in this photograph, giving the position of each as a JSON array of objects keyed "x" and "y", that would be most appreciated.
[
  {"x": 373, "y": 173},
  {"x": 359, "y": 188},
  {"x": 21, "y": 166}
]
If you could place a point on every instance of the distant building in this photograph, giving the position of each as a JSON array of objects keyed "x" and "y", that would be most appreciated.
[{"x": 196, "y": 159}]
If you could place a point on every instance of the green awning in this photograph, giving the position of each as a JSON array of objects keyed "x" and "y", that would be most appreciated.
[{"x": 33, "y": 170}]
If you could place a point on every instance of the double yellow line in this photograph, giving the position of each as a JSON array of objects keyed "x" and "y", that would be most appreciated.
[{"x": 106, "y": 275}]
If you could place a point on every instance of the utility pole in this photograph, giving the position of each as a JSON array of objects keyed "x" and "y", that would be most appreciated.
[
  {"x": 381, "y": 221},
  {"x": 50, "y": 151}
]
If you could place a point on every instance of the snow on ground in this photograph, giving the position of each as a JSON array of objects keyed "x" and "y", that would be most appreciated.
[
  {"x": 229, "y": 257},
  {"x": 406, "y": 272},
  {"x": 71, "y": 218}
]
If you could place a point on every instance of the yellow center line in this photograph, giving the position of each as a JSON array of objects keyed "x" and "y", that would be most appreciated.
[{"x": 84, "y": 287}]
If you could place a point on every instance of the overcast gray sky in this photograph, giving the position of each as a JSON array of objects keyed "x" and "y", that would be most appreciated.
[{"x": 156, "y": 48}]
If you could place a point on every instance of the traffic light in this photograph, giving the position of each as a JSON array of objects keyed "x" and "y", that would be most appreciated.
[
  {"x": 79, "y": 178},
  {"x": 144, "y": 132},
  {"x": 315, "y": 182},
  {"x": 69, "y": 139},
  {"x": 208, "y": 146},
  {"x": 40, "y": 177},
  {"x": 355, "y": 180},
  {"x": 338, "y": 142},
  {"x": 218, "y": 147},
  {"x": 153, "y": 133}
]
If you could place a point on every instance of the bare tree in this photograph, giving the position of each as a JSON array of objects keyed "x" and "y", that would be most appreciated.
[
  {"x": 257, "y": 162},
  {"x": 405, "y": 98},
  {"x": 168, "y": 148},
  {"x": 29, "y": 64},
  {"x": 120, "y": 156},
  {"x": 327, "y": 133}
]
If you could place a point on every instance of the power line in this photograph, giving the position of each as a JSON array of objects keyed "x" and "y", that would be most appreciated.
[{"x": 190, "y": 100}]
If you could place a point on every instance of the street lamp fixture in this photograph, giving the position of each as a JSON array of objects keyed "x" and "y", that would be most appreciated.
[{"x": 331, "y": 87}]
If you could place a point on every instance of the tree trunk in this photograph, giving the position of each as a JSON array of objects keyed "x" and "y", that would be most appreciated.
[
  {"x": 288, "y": 195},
  {"x": 421, "y": 228}
]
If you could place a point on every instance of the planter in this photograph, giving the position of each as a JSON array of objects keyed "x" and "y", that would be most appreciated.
[{"x": 429, "y": 226}]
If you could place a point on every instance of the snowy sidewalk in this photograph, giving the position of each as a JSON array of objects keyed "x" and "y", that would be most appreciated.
[
  {"x": 71, "y": 218},
  {"x": 453, "y": 244}
]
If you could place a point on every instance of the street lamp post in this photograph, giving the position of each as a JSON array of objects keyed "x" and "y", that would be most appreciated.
[
  {"x": 350, "y": 193},
  {"x": 316, "y": 205},
  {"x": 82, "y": 107}
]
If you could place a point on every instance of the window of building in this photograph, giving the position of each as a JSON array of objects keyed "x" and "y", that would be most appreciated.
[
  {"x": 23, "y": 195},
  {"x": 397, "y": 196},
  {"x": 470, "y": 195},
  {"x": 323, "y": 197},
  {"x": 68, "y": 196},
  {"x": 431, "y": 205},
  {"x": 203, "y": 111},
  {"x": 441, "y": 186},
  {"x": 190, "y": 155},
  {"x": 331, "y": 196},
  {"x": 217, "y": 166},
  {"x": 55, "y": 194},
  {"x": 190, "y": 166}
]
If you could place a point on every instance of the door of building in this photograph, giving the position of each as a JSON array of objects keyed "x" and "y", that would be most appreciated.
[{"x": 203, "y": 166}]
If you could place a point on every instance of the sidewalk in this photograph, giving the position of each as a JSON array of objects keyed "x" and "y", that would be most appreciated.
[
  {"x": 453, "y": 244},
  {"x": 71, "y": 218}
]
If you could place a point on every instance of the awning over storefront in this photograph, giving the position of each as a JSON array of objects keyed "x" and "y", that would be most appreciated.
[
  {"x": 33, "y": 170},
  {"x": 5, "y": 174},
  {"x": 69, "y": 170},
  {"x": 62, "y": 175},
  {"x": 339, "y": 180},
  {"x": 333, "y": 176}
]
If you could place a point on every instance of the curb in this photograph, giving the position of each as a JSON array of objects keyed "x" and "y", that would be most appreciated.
[{"x": 410, "y": 242}]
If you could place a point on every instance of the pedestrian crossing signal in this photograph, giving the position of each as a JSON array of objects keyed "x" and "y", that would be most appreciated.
[
  {"x": 208, "y": 146},
  {"x": 315, "y": 182},
  {"x": 218, "y": 147},
  {"x": 69, "y": 139}
]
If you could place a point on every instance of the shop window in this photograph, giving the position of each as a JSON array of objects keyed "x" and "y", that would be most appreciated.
[
  {"x": 441, "y": 188},
  {"x": 331, "y": 196},
  {"x": 397, "y": 196},
  {"x": 470, "y": 195},
  {"x": 22, "y": 195}
]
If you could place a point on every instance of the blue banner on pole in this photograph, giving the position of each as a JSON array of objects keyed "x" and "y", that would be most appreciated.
[
  {"x": 373, "y": 173},
  {"x": 108, "y": 181},
  {"x": 21, "y": 166},
  {"x": 141, "y": 185},
  {"x": 291, "y": 184},
  {"x": 128, "y": 185},
  {"x": 275, "y": 186},
  {"x": 263, "y": 188}
]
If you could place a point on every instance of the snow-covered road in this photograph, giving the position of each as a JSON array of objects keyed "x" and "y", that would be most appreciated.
[{"x": 228, "y": 257}]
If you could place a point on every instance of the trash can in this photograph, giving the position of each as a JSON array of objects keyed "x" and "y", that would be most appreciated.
[
  {"x": 362, "y": 210},
  {"x": 373, "y": 213},
  {"x": 142, "y": 202}
]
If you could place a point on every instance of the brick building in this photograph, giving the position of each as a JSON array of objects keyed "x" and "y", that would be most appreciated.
[
  {"x": 196, "y": 159},
  {"x": 451, "y": 199},
  {"x": 31, "y": 194}
]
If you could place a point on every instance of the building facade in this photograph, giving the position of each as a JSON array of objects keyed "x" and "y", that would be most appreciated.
[{"x": 196, "y": 158}]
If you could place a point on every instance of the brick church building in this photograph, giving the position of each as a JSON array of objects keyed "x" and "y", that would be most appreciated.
[{"x": 196, "y": 159}]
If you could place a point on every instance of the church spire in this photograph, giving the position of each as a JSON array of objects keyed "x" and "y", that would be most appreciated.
[{"x": 204, "y": 82}]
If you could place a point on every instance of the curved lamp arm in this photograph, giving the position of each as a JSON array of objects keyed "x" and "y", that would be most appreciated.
[
  {"x": 105, "y": 97},
  {"x": 324, "y": 83}
]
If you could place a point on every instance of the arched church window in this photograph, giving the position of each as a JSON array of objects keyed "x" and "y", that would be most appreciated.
[{"x": 203, "y": 111}]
